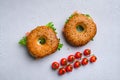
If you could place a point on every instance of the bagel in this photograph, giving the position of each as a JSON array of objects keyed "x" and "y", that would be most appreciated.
[
  {"x": 79, "y": 29},
  {"x": 42, "y": 41}
]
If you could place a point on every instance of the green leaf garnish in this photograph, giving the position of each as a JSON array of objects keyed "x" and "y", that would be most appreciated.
[
  {"x": 51, "y": 25},
  {"x": 23, "y": 41},
  {"x": 60, "y": 46},
  {"x": 42, "y": 41},
  {"x": 69, "y": 18},
  {"x": 88, "y": 16},
  {"x": 67, "y": 21},
  {"x": 80, "y": 28},
  {"x": 92, "y": 39}
]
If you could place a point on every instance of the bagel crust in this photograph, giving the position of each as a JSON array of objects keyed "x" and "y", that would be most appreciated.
[
  {"x": 73, "y": 36},
  {"x": 38, "y": 50}
]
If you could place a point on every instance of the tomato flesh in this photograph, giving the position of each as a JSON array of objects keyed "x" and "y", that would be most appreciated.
[
  {"x": 55, "y": 65},
  {"x": 87, "y": 52},
  {"x": 63, "y": 61},
  {"x": 77, "y": 64},
  {"x": 69, "y": 68},
  {"x": 61, "y": 71},
  {"x": 71, "y": 58},
  {"x": 84, "y": 61},
  {"x": 93, "y": 59},
  {"x": 78, "y": 55}
]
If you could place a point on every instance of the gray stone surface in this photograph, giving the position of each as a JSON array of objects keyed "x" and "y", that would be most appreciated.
[{"x": 20, "y": 16}]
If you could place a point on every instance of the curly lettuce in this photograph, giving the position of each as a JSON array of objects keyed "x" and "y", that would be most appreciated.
[{"x": 23, "y": 41}]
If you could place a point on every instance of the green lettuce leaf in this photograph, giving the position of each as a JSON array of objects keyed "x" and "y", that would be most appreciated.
[
  {"x": 23, "y": 41},
  {"x": 69, "y": 18},
  {"x": 92, "y": 39},
  {"x": 60, "y": 46},
  {"x": 51, "y": 25},
  {"x": 88, "y": 15}
]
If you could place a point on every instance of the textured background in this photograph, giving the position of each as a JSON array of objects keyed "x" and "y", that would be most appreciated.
[{"x": 20, "y": 16}]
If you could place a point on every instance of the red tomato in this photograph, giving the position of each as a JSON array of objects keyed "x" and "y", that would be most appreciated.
[
  {"x": 78, "y": 55},
  {"x": 93, "y": 59},
  {"x": 69, "y": 68},
  {"x": 77, "y": 64},
  {"x": 61, "y": 71},
  {"x": 55, "y": 65},
  {"x": 71, "y": 58},
  {"x": 63, "y": 61},
  {"x": 27, "y": 33},
  {"x": 87, "y": 52},
  {"x": 84, "y": 61}
]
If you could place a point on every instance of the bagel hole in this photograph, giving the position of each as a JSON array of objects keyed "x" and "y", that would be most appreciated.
[
  {"x": 41, "y": 40},
  {"x": 80, "y": 28}
]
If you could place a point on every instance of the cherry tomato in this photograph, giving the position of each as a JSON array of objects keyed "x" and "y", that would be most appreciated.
[
  {"x": 27, "y": 33},
  {"x": 61, "y": 71},
  {"x": 77, "y": 64},
  {"x": 69, "y": 68},
  {"x": 78, "y": 55},
  {"x": 63, "y": 61},
  {"x": 87, "y": 52},
  {"x": 93, "y": 59},
  {"x": 55, "y": 65},
  {"x": 71, "y": 58},
  {"x": 84, "y": 61}
]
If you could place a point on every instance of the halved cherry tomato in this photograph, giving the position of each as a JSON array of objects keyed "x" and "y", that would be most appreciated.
[
  {"x": 84, "y": 61},
  {"x": 77, "y": 64},
  {"x": 78, "y": 55},
  {"x": 93, "y": 59},
  {"x": 87, "y": 52},
  {"x": 71, "y": 58},
  {"x": 63, "y": 61},
  {"x": 69, "y": 68},
  {"x": 55, "y": 65},
  {"x": 27, "y": 33},
  {"x": 61, "y": 71}
]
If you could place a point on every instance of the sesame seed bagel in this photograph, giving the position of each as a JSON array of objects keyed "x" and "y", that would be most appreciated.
[
  {"x": 42, "y": 34},
  {"x": 79, "y": 29}
]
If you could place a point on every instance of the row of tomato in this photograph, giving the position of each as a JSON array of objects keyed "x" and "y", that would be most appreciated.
[{"x": 74, "y": 61}]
